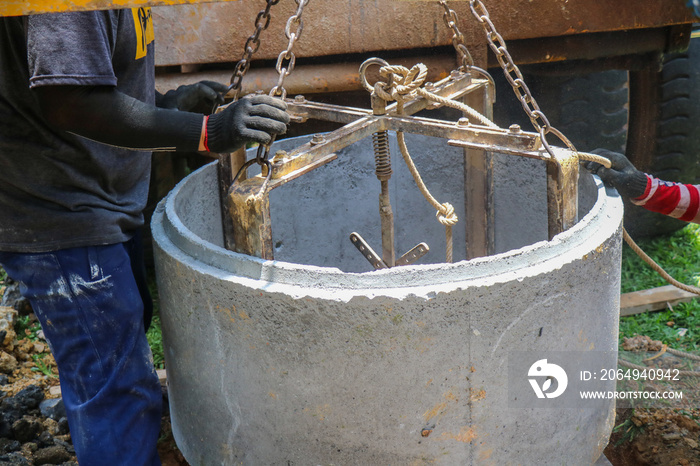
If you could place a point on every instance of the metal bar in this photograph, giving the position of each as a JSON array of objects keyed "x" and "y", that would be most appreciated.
[
  {"x": 451, "y": 88},
  {"x": 562, "y": 191},
  {"x": 478, "y": 187},
  {"x": 382, "y": 159},
  {"x": 288, "y": 165},
  {"x": 367, "y": 251},
  {"x": 250, "y": 217},
  {"x": 33, "y": 7},
  {"x": 467, "y": 135}
]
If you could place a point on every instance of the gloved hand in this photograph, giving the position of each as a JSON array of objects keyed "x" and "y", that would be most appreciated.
[
  {"x": 622, "y": 175},
  {"x": 254, "y": 118},
  {"x": 198, "y": 98}
]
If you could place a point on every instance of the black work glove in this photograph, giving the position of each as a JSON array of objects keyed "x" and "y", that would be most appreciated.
[
  {"x": 254, "y": 118},
  {"x": 198, "y": 98},
  {"x": 622, "y": 175}
]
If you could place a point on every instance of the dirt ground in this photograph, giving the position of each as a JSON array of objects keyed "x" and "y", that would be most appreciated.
[{"x": 665, "y": 437}]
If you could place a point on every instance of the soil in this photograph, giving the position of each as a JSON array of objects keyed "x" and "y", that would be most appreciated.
[{"x": 665, "y": 437}]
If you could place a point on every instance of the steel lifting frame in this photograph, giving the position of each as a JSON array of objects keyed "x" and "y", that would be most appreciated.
[{"x": 249, "y": 205}]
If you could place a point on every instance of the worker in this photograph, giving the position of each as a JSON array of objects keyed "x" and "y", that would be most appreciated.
[
  {"x": 78, "y": 110},
  {"x": 676, "y": 200}
]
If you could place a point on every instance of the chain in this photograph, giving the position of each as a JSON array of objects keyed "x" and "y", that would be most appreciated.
[
  {"x": 286, "y": 60},
  {"x": 451, "y": 20},
  {"x": 252, "y": 44},
  {"x": 463, "y": 55},
  {"x": 515, "y": 78}
]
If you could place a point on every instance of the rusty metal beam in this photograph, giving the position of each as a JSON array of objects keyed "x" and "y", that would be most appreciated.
[
  {"x": 306, "y": 79},
  {"x": 183, "y": 34},
  {"x": 33, "y": 7}
]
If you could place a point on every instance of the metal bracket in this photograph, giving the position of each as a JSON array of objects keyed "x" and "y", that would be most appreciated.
[{"x": 409, "y": 258}]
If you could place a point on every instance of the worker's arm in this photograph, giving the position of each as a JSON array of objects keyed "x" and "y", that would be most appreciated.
[
  {"x": 676, "y": 200},
  {"x": 104, "y": 114},
  {"x": 201, "y": 97}
]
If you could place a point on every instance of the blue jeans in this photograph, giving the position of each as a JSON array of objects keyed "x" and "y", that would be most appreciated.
[{"x": 92, "y": 313}]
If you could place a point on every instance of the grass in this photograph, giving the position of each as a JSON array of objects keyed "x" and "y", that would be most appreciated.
[
  {"x": 679, "y": 255},
  {"x": 154, "y": 335}
]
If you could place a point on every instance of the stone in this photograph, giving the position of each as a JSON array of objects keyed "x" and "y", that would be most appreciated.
[
  {"x": 8, "y": 446},
  {"x": 3, "y": 380},
  {"x": 5, "y": 426},
  {"x": 26, "y": 429},
  {"x": 55, "y": 454},
  {"x": 45, "y": 439},
  {"x": 13, "y": 299},
  {"x": 62, "y": 428},
  {"x": 53, "y": 408},
  {"x": 8, "y": 316},
  {"x": 692, "y": 443},
  {"x": 14, "y": 459},
  {"x": 8, "y": 363},
  {"x": 30, "y": 397}
]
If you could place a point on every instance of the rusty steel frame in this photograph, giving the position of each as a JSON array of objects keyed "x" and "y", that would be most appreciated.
[{"x": 249, "y": 206}]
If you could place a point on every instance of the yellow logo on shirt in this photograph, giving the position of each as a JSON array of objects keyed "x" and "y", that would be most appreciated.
[{"x": 143, "y": 24}]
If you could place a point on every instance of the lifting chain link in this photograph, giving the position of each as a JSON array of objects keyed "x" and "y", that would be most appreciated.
[
  {"x": 515, "y": 78},
  {"x": 286, "y": 60},
  {"x": 285, "y": 64},
  {"x": 451, "y": 20},
  {"x": 252, "y": 44}
]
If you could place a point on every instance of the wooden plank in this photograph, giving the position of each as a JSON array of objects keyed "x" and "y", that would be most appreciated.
[{"x": 652, "y": 299}]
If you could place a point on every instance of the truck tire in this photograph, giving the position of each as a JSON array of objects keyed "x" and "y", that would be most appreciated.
[{"x": 591, "y": 110}]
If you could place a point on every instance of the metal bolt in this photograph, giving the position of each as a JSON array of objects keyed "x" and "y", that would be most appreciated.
[
  {"x": 455, "y": 74},
  {"x": 514, "y": 128},
  {"x": 300, "y": 99},
  {"x": 463, "y": 122},
  {"x": 317, "y": 139}
]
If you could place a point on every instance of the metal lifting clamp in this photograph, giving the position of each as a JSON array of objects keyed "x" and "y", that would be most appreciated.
[{"x": 247, "y": 199}]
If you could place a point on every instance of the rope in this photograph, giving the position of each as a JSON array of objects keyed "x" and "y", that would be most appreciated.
[
  {"x": 458, "y": 105},
  {"x": 657, "y": 267},
  {"x": 402, "y": 83},
  {"x": 445, "y": 212}
]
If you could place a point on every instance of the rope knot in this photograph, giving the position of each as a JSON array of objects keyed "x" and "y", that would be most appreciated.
[
  {"x": 402, "y": 81},
  {"x": 446, "y": 215}
]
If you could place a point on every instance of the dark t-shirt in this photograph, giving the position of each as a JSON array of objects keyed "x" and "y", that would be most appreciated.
[{"x": 59, "y": 190}]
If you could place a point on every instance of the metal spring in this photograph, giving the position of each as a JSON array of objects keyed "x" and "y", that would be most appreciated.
[{"x": 382, "y": 156}]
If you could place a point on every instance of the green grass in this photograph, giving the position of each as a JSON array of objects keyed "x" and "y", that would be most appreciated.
[
  {"x": 154, "y": 335},
  {"x": 679, "y": 255}
]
